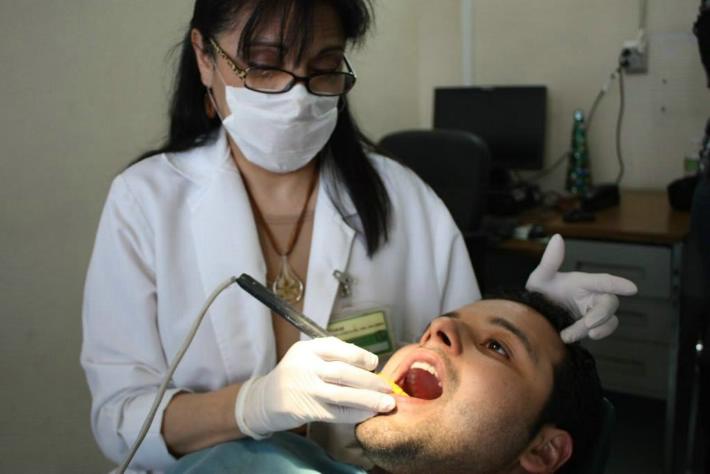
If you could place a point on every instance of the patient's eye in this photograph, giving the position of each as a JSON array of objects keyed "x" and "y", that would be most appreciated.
[{"x": 497, "y": 347}]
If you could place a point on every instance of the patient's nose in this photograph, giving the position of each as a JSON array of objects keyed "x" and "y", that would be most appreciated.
[{"x": 442, "y": 334}]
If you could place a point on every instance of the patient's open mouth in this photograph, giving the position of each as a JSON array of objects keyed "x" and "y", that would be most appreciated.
[{"x": 422, "y": 381}]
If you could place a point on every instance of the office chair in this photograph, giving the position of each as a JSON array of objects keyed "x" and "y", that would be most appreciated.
[{"x": 456, "y": 165}]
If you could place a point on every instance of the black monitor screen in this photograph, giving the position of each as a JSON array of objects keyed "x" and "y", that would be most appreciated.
[{"x": 510, "y": 119}]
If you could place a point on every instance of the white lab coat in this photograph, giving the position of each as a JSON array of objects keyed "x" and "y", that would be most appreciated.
[{"x": 175, "y": 226}]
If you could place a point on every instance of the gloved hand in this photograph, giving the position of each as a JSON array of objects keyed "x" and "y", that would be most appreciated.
[
  {"x": 591, "y": 298},
  {"x": 323, "y": 379}
]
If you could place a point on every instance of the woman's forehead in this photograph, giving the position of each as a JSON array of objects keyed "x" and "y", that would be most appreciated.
[{"x": 293, "y": 32}]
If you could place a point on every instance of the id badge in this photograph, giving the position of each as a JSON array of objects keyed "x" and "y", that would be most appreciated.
[{"x": 368, "y": 329}]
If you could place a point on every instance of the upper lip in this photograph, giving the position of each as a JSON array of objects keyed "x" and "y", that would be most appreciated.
[{"x": 421, "y": 355}]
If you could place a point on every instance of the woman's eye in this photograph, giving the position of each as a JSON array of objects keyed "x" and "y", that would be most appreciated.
[
  {"x": 265, "y": 59},
  {"x": 262, "y": 73},
  {"x": 498, "y": 348},
  {"x": 326, "y": 65},
  {"x": 265, "y": 63}
]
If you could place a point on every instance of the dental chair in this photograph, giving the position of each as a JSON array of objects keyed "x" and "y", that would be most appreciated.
[
  {"x": 599, "y": 454},
  {"x": 690, "y": 452},
  {"x": 456, "y": 166}
]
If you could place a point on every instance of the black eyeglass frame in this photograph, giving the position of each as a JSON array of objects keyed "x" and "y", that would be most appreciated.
[{"x": 242, "y": 73}]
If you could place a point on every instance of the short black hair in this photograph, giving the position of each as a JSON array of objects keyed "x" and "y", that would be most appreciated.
[{"x": 575, "y": 403}]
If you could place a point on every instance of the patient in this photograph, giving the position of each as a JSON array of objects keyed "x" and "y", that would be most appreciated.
[{"x": 493, "y": 390}]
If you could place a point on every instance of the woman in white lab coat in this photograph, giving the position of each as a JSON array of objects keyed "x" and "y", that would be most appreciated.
[{"x": 265, "y": 173}]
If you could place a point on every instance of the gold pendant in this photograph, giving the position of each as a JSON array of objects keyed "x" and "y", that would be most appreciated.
[{"x": 287, "y": 285}]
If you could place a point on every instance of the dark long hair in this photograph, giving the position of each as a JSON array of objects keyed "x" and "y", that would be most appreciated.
[{"x": 346, "y": 161}]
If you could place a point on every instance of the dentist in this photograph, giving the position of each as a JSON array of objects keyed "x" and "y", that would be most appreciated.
[{"x": 265, "y": 172}]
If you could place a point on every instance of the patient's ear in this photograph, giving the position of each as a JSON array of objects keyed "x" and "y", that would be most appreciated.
[{"x": 548, "y": 451}]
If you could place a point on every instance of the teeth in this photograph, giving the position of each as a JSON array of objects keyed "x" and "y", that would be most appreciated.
[{"x": 428, "y": 367}]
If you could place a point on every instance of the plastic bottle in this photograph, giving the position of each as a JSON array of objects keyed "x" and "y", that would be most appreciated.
[{"x": 579, "y": 177}]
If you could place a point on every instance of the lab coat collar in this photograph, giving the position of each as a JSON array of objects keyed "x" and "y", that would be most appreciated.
[
  {"x": 201, "y": 164},
  {"x": 226, "y": 241},
  {"x": 227, "y": 244}
]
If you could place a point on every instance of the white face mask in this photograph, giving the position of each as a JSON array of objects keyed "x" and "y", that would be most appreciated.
[{"x": 280, "y": 132}]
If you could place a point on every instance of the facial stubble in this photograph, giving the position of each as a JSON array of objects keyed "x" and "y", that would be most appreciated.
[{"x": 478, "y": 442}]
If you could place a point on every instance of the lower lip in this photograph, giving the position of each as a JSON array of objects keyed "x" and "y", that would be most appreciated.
[{"x": 411, "y": 402}]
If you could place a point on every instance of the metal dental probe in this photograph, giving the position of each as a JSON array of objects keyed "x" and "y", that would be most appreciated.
[
  {"x": 280, "y": 307},
  {"x": 290, "y": 314}
]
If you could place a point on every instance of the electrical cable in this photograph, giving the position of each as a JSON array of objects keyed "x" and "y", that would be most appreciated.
[
  {"x": 602, "y": 92},
  {"x": 550, "y": 168},
  {"x": 619, "y": 123},
  {"x": 173, "y": 365},
  {"x": 643, "y": 14},
  {"x": 593, "y": 108},
  {"x": 590, "y": 116}
]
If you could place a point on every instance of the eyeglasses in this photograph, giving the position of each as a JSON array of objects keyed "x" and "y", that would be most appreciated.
[{"x": 273, "y": 80}]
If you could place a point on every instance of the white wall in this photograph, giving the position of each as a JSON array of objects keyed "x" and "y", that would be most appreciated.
[
  {"x": 572, "y": 45},
  {"x": 415, "y": 47},
  {"x": 83, "y": 90}
]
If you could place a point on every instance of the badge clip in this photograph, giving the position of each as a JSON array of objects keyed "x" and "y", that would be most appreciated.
[{"x": 345, "y": 281}]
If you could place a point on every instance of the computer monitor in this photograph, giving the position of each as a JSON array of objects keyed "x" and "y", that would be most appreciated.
[{"x": 510, "y": 119}]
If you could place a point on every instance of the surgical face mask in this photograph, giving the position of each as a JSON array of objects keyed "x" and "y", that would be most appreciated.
[{"x": 279, "y": 132}]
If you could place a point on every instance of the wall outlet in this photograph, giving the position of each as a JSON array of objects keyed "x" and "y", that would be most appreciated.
[{"x": 634, "y": 56}]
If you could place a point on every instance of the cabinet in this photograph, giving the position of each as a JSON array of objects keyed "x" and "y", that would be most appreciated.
[
  {"x": 636, "y": 358},
  {"x": 641, "y": 239}
]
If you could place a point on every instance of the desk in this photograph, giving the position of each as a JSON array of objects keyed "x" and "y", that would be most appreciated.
[
  {"x": 641, "y": 217},
  {"x": 641, "y": 239}
]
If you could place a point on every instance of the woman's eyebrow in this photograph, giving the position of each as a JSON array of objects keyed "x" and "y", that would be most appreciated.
[
  {"x": 513, "y": 329},
  {"x": 266, "y": 43},
  {"x": 282, "y": 50},
  {"x": 332, "y": 49},
  {"x": 277, "y": 47}
]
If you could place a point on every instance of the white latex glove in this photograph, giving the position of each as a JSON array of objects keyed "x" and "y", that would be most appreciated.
[
  {"x": 323, "y": 379},
  {"x": 590, "y": 297}
]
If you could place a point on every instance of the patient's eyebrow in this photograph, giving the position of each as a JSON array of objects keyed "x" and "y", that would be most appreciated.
[{"x": 505, "y": 324}]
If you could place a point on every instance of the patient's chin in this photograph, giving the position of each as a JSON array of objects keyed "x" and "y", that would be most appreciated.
[
  {"x": 386, "y": 446},
  {"x": 378, "y": 433}
]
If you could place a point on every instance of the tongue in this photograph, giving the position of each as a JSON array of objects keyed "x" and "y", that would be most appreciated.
[{"x": 421, "y": 384}]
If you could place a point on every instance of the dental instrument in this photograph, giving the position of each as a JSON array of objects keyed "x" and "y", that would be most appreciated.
[
  {"x": 290, "y": 314},
  {"x": 302, "y": 322},
  {"x": 396, "y": 389},
  {"x": 171, "y": 370},
  {"x": 261, "y": 293}
]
